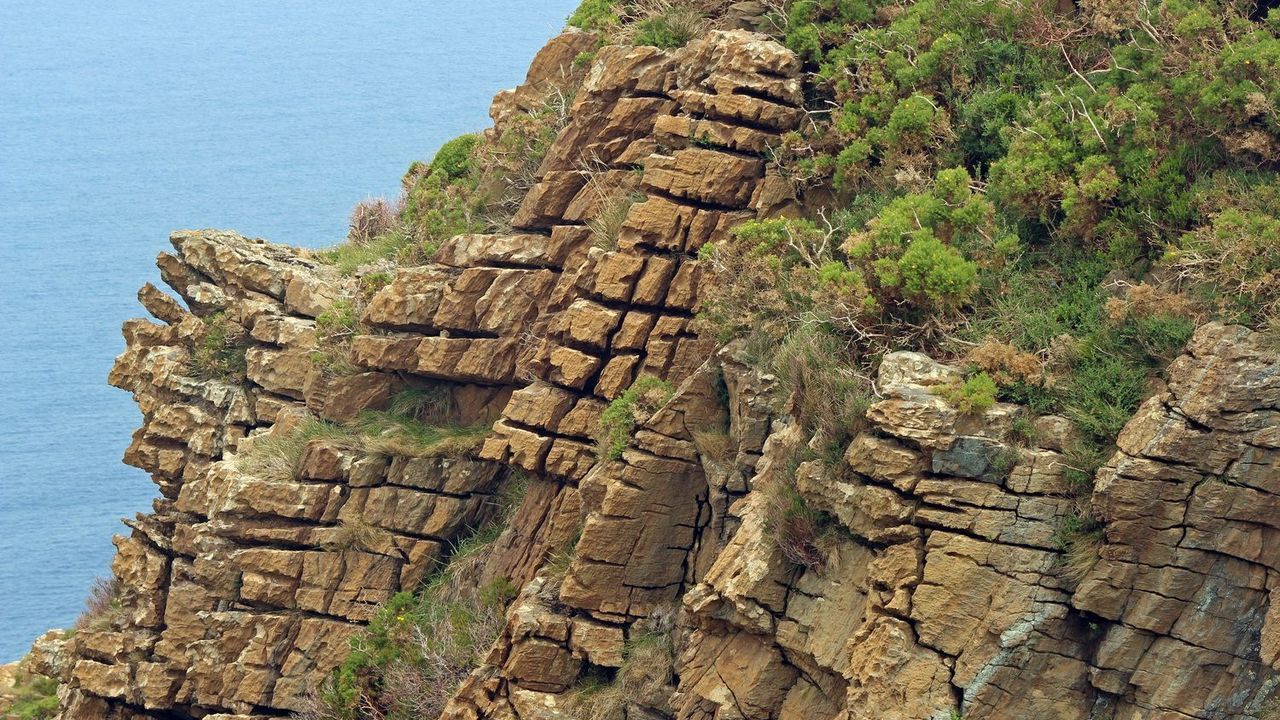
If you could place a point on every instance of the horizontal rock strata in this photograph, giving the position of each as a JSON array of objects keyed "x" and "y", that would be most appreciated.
[{"x": 938, "y": 586}]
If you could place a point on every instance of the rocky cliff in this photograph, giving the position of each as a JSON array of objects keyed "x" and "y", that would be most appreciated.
[{"x": 936, "y": 582}]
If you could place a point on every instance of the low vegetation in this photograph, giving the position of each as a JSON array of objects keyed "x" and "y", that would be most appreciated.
[
  {"x": 619, "y": 420},
  {"x": 219, "y": 353},
  {"x": 613, "y": 204},
  {"x": 422, "y": 644},
  {"x": 831, "y": 396},
  {"x": 415, "y": 425},
  {"x": 666, "y": 24},
  {"x": 975, "y": 395},
  {"x": 715, "y": 444},
  {"x": 803, "y": 534},
  {"x": 473, "y": 184},
  {"x": 102, "y": 608},
  {"x": 35, "y": 697},
  {"x": 1080, "y": 540},
  {"x": 645, "y": 677},
  {"x": 336, "y": 327},
  {"x": 275, "y": 456},
  {"x": 798, "y": 529}
]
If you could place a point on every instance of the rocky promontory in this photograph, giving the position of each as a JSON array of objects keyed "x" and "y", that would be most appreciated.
[{"x": 716, "y": 559}]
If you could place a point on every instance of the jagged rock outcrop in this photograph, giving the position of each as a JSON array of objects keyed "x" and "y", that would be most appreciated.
[
  {"x": 939, "y": 586},
  {"x": 1187, "y": 576}
]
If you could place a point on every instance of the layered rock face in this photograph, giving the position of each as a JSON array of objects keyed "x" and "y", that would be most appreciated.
[{"x": 940, "y": 587}]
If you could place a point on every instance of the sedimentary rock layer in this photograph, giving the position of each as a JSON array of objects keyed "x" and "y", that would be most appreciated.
[{"x": 940, "y": 590}]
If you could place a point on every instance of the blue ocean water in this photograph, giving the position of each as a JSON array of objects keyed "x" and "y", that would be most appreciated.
[{"x": 122, "y": 121}]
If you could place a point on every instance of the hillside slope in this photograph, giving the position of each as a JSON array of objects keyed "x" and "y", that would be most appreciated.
[{"x": 716, "y": 381}]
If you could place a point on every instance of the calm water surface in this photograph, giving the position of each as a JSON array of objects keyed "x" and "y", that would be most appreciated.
[{"x": 122, "y": 121}]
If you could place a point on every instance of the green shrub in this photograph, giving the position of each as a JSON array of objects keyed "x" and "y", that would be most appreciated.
[
  {"x": 1025, "y": 430},
  {"x": 453, "y": 161},
  {"x": 1113, "y": 160},
  {"x": 905, "y": 261},
  {"x": 35, "y": 698},
  {"x": 669, "y": 27},
  {"x": 1111, "y": 369},
  {"x": 219, "y": 354},
  {"x": 974, "y": 396},
  {"x": 1233, "y": 260},
  {"x": 595, "y": 15},
  {"x": 619, "y": 420},
  {"x": 337, "y": 321}
]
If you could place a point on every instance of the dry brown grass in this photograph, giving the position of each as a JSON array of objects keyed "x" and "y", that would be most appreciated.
[
  {"x": 275, "y": 455},
  {"x": 715, "y": 444},
  {"x": 645, "y": 677},
  {"x": 102, "y": 609},
  {"x": 1083, "y": 550},
  {"x": 831, "y": 397},
  {"x": 371, "y": 218},
  {"x": 613, "y": 205},
  {"x": 1005, "y": 364},
  {"x": 358, "y": 534}
]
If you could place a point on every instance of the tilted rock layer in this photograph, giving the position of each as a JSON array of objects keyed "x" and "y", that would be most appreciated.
[{"x": 942, "y": 591}]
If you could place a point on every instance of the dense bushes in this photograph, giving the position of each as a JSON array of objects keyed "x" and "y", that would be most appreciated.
[
  {"x": 1232, "y": 260},
  {"x": 993, "y": 182}
]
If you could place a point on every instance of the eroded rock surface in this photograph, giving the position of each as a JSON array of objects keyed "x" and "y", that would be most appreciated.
[{"x": 939, "y": 587}]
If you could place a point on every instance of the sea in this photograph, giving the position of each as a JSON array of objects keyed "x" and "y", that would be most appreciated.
[{"x": 121, "y": 121}]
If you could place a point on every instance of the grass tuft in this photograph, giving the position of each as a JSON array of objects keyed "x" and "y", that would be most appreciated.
[
  {"x": 102, "y": 609},
  {"x": 275, "y": 456},
  {"x": 219, "y": 353},
  {"x": 619, "y": 420}
]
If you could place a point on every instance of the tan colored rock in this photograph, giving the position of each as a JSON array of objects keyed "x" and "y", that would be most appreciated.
[
  {"x": 552, "y": 68},
  {"x": 342, "y": 399},
  {"x": 160, "y": 305},
  {"x": 410, "y": 300},
  {"x": 283, "y": 372},
  {"x": 673, "y": 129},
  {"x": 704, "y": 176},
  {"x": 931, "y": 579},
  {"x": 740, "y": 109}
]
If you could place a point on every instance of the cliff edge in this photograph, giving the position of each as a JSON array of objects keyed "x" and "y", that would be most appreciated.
[{"x": 626, "y": 517}]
